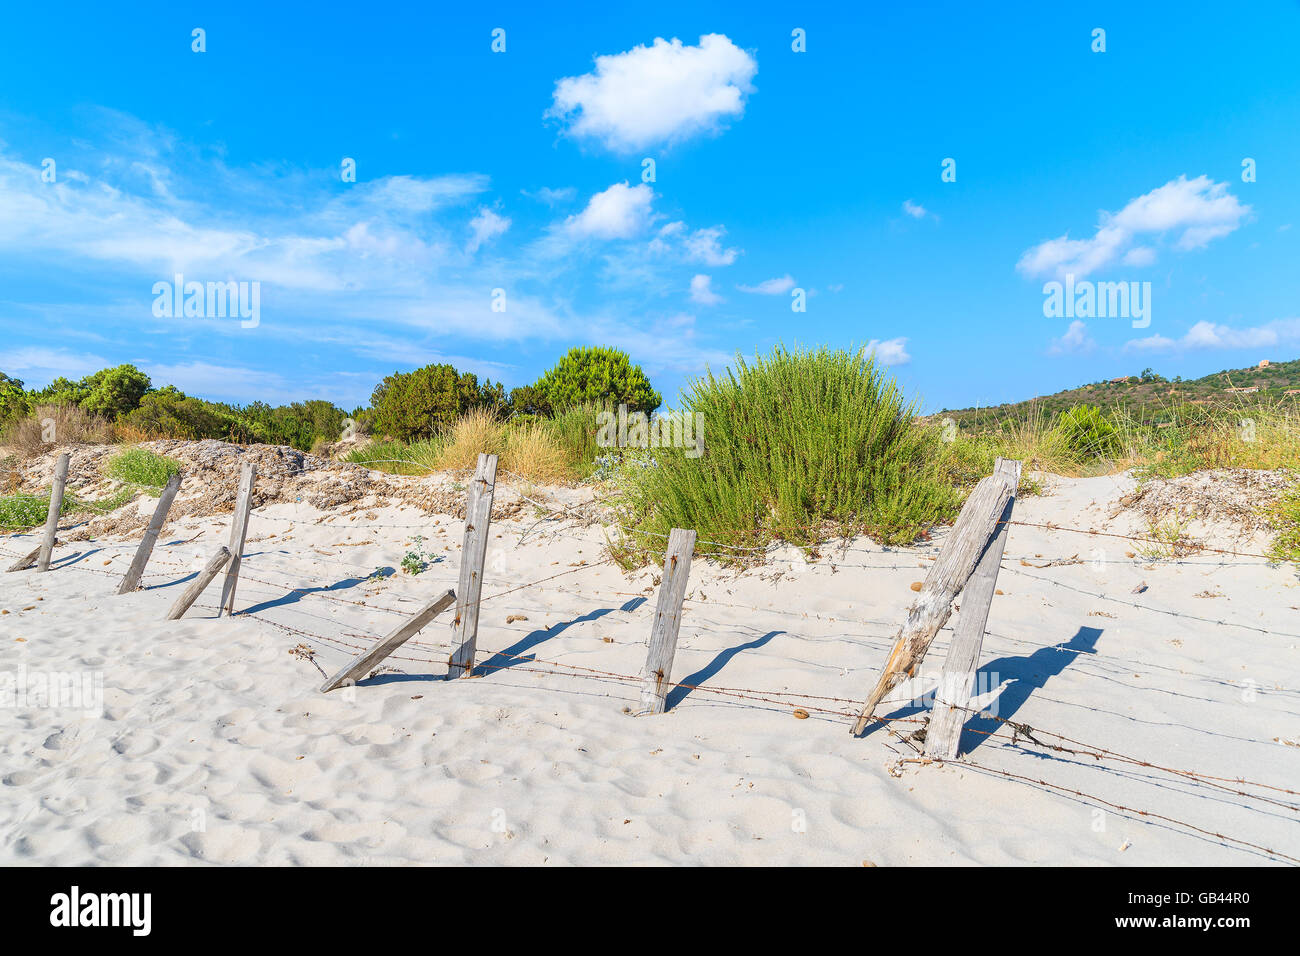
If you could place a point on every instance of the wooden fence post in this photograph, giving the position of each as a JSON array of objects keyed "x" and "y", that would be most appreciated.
[
  {"x": 27, "y": 560},
  {"x": 362, "y": 664},
  {"x": 948, "y": 575},
  {"x": 133, "y": 573},
  {"x": 191, "y": 593},
  {"x": 52, "y": 517},
  {"x": 949, "y": 713},
  {"x": 478, "y": 514},
  {"x": 656, "y": 679},
  {"x": 238, "y": 531}
]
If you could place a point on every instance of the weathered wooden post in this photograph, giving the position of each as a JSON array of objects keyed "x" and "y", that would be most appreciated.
[
  {"x": 362, "y": 664},
  {"x": 656, "y": 679},
  {"x": 28, "y": 559},
  {"x": 949, "y": 714},
  {"x": 478, "y": 514},
  {"x": 238, "y": 531},
  {"x": 132, "y": 579},
  {"x": 191, "y": 593},
  {"x": 948, "y": 575},
  {"x": 52, "y": 516}
]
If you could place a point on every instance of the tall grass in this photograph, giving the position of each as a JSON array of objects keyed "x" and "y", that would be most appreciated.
[
  {"x": 794, "y": 440},
  {"x": 50, "y": 425}
]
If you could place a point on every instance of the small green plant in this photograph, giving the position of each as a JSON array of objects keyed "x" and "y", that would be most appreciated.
[
  {"x": 1284, "y": 516},
  {"x": 20, "y": 512},
  {"x": 1166, "y": 539},
  {"x": 139, "y": 466},
  {"x": 417, "y": 559}
]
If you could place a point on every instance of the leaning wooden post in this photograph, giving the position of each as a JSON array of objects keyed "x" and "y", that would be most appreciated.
[
  {"x": 361, "y": 665},
  {"x": 478, "y": 514},
  {"x": 191, "y": 593},
  {"x": 948, "y": 575},
  {"x": 951, "y": 700},
  {"x": 52, "y": 517},
  {"x": 27, "y": 560},
  {"x": 133, "y": 573},
  {"x": 238, "y": 531},
  {"x": 656, "y": 679}
]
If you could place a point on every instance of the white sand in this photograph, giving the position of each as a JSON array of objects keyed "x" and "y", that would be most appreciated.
[{"x": 214, "y": 744}]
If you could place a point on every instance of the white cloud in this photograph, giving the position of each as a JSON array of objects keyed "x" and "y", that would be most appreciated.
[
  {"x": 620, "y": 212},
  {"x": 1075, "y": 341},
  {"x": 915, "y": 210},
  {"x": 702, "y": 245},
  {"x": 702, "y": 291},
  {"x": 770, "y": 286},
  {"x": 890, "y": 351},
  {"x": 48, "y": 363},
  {"x": 484, "y": 227},
  {"x": 662, "y": 93},
  {"x": 552, "y": 197},
  {"x": 1200, "y": 209},
  {"x": 1210, "y": 335}
]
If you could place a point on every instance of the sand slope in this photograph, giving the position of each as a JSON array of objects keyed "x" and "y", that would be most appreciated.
[{"x": 214, "y": 745}]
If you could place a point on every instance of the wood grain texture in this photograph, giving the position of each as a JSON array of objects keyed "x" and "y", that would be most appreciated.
[
  {"x": 132, "y": 578},
  {"x": 948, "y": 575},
  {"x": 478, "y": 515},
  {"x": 52, "y": 517},
  {"x": 238, "y": 532},
  {"x": 191, "y": 593},
  {"x": 366, "y": 661},
  {"x": 656, "y": 679},
  {"x": 949, "y": 714}
]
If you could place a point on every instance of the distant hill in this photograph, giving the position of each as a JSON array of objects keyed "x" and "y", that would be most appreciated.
[{"x": 1148, "y": 397}]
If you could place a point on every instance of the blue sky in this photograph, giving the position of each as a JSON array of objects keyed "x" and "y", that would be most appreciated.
[{"x": 523, "y": 171}]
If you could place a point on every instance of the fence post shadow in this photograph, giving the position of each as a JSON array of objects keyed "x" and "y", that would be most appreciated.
[
  {"x": 688, "y": 683},
  {"x": 1027, "y": 674}
]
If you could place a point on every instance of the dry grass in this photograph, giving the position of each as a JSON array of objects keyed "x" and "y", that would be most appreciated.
[
  {"x": 478, "y": 432},
  {"x": 534, "y": 452},
  {"x": 63, "y": 424}
]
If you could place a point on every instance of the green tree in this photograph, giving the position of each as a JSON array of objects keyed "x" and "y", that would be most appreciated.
[
  {"x": 413, "y": 405},
  {"x": 13, "y": 400},
  {"x": 598, "y": 374}
]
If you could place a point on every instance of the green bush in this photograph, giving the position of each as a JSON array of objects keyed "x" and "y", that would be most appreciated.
[
  {"x": 1088, "y": 433},
  {"x": 13, "y": 400},
  {"x": 796, "y": 440},
  {"x": 140, "y": 466},
  {"x": 20, "y": 512},
  {"x": 169, "y": 412},
  {"x": 416, "y": 405},
  {"x": 598, "y": 374}
]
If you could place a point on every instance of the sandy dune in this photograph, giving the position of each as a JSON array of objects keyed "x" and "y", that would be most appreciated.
[{"x": 213, "y": 744}]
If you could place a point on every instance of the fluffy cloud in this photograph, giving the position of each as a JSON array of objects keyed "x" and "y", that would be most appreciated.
[
  {"x": 915, "y": 210},
  {"x": 702, "y": 291},
  {"x": 662, "y": 93},
  {"x": 770, "y": 286},
  {"x": 890, "y": 351},
  {"x": 484, "y": 227},
  {"x": 1199, "y": 210},
  {"x": 620, "y": 212},
  {"x": 702, "y": 245},
  {"x": 1075, "y": 341},
  {"x": 1210, "y": 335}
]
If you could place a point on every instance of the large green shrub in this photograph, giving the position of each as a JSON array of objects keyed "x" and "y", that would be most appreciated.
[
  {"x": 792, "y": 441},
  {"x": 414, "y": 405},
  {"x": 13, "y": 400},
  {"x": 1088, "y": 433},
  {"x": 598, "y": 374}
]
